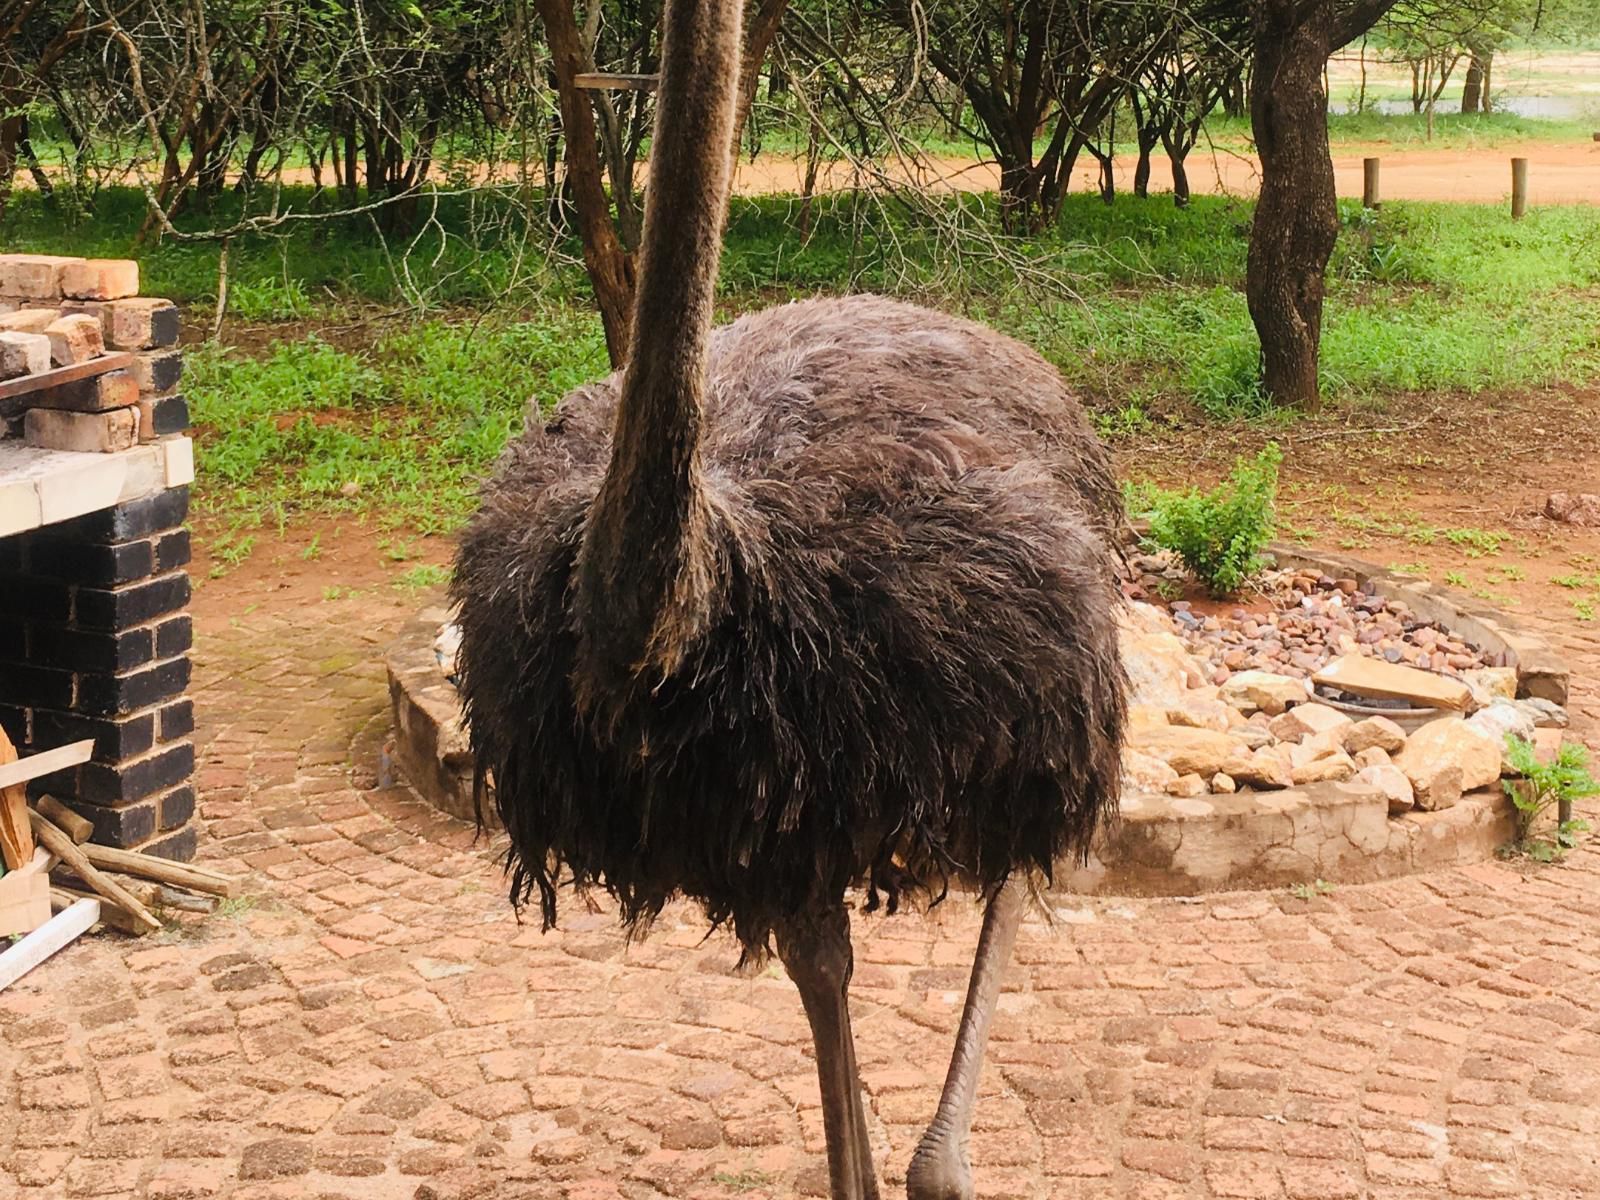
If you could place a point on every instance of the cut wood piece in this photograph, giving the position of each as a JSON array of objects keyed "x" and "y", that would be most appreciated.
[
  {"x": 79, "y": 829},
  {"x": 16, "y": 837},
  {"x": 162, "y": 870},
  {"x": 62, "y": 846},
  {"x": 25, "y": 895},
  {"x": 112, "y": 916},
  {"x": 39, "y": 945},
  {"x": 21, "y": 770},
  {"x": 1363, "y": 676},
  {"x": 615, "y": 81}
]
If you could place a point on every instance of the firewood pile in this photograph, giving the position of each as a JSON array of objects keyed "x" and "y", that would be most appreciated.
[{"x": 49, "y": 866}]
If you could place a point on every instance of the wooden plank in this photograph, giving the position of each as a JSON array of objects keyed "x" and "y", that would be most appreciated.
[
  {"x": 16, "y": 837},
  {"x": 112, "y": 916},
  {"x": 602, "y": 81},
  {"x": 47, "y": 763},
  {"x": 25, "y": 895},
  {"x": 79, "y": 829},
  {"x": 61, "y": 845},
  {"x": 58, "y": 931},
  {"x": 26, "y": 385},
  {"x": 148, "y": 866}
]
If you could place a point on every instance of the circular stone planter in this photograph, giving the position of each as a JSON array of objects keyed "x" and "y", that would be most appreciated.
[{"x": 1160, "y": 845}]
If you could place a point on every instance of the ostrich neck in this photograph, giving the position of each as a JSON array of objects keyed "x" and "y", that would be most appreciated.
[{"x": 647, "y": 566}]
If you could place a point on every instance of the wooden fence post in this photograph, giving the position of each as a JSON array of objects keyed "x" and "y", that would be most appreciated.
[
  {"x": 1519, "y": 187},
  {"x": 1369, "y": 184}
]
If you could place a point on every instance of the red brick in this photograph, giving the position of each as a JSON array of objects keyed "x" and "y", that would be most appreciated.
[{"x": 100, "y": 279}]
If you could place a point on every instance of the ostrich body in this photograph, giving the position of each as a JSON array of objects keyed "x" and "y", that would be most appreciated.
[{"x": 823, "y": 598}]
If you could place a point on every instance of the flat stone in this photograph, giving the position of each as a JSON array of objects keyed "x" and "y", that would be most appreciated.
[
  {"x": 1502, "y": 719},
  {"x": 1362, "y": 676},
  {"x": 1450, "y": 743},
  {"x": 1145, "y": 773},
  {"x": 1271, "y": 694},
  {"x": 1491, "y": 683},
  {"x": 1547, "y": 714},
  {"x": 1187, "y": 785},
  {"x": 1267, "y": 768},
  {"x": 1329, "y": 768},
  {"x": 1187, "y": 751},
  {"x": 1375, "y": 733},
  {"x": 1371, "y": 756},
  {"x": 1437, "y": 789},
  {"x": 1391, "y": 781},
  {"x": 1158, "y": 668},
  {"x": 1307, "y": 720}
]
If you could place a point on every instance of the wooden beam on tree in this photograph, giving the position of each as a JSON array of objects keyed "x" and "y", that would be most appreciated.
[{"x": 615, "y": 81}]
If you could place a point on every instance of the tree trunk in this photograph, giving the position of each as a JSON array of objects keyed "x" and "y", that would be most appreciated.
[
  {"x": 1488, "y": 77},
  {"x": 1141, "y": 170},
  {"x": 1296, "y": 218},
  {"x": 610, "y": 266},
  {"x": 1177, "y": 152},
  {"x": 1472, "y": 86}
]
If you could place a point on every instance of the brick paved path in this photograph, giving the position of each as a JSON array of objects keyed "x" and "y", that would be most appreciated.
[{"x": 375, "y": 1024}]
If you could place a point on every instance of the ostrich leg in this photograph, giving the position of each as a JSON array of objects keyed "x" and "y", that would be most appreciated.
[
  {"x": 815, "y": 950},
  {"x": 939, "y": 1169}
]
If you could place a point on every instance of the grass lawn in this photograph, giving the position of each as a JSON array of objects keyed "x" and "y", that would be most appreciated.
[{"x": 340, "y": 385}]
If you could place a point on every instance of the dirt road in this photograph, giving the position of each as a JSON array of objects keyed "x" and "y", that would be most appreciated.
[{"x": 1557, "y": 174}]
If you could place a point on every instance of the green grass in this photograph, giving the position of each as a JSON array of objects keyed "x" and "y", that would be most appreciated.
[
  {"x": 1140, "y": 304},
  {"x": 405, "y": 429}
]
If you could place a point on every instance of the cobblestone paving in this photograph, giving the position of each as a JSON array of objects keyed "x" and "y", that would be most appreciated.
[{"x": 372, "y": 1022}]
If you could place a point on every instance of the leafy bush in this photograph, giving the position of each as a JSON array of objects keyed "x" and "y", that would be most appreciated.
[
  {"x": 1542, "y": 785},
  {"x": 1219, "y": 534}
]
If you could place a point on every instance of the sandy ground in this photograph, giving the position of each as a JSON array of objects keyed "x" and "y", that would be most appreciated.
[{"x": 1557, "y": 174}]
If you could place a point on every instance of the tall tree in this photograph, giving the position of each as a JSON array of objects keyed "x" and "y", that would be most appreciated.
[{"x": 1296, "y": 220}]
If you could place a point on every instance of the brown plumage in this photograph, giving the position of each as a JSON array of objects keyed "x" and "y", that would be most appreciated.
[{"x": 822, "y": 597}]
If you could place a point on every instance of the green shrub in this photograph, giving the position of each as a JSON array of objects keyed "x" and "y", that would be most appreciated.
[
  {"x": 1219, "y": 534},
  {"x": 1542, "y": 785}
]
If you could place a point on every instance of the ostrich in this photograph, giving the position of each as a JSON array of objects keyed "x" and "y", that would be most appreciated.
[{"x": 818, "y": 600}]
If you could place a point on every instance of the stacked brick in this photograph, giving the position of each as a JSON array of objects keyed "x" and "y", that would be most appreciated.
[
  {"x": 58, "y": 313},
  {"x": 94, "y": 627}
]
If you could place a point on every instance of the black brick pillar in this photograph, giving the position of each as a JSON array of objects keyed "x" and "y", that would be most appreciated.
[{"x": 94, "y": 643}]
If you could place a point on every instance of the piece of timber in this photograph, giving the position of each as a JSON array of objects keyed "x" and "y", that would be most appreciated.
[
  {"x": 46, "y": 763},
  {"x": 112, "y": 915},
  {"x": 79, "y": 829},
  {"x": 615, "y": 81},
  {"x": 44, "y": 941},
  {"x": 148, "y": 866},
  {"x": 14, "y": 392},
  {"x": 25, "y": 895},
  {"x": 62, "y": 846},
  {"x": 16, "y": 837}
]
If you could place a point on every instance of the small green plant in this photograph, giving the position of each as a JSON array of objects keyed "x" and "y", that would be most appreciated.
[
  {"x": 1457, "y": 579},
  {"x": 1543, "y": 785},
  {"x": 1310, "y": 891},
  {"x": 1219, "y": 534},
  {"x": 421, "y": 577},
  {"x": 1583, "y": 609}
]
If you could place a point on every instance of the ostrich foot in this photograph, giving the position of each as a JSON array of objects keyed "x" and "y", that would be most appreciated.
[{"x": 939, "y": 1170}]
